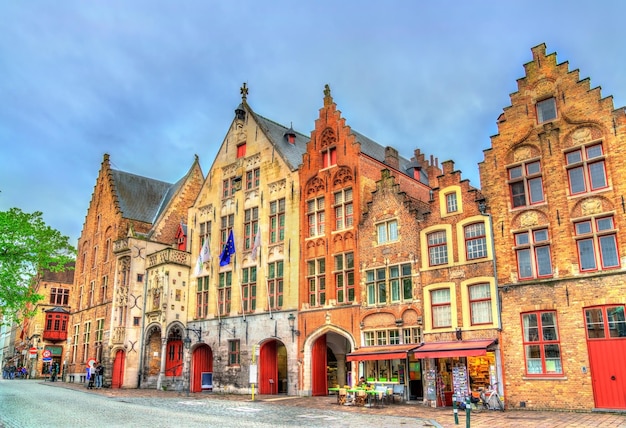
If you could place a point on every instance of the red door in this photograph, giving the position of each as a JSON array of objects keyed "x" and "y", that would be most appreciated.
[
  {"x": 118, "y": 369},
  {"x": 319, "y": 380},
  {"x": 268, "y": 369},
  {"x": 174, "y": 358},
  {"x": 201, "y": 362},
  {"x": 606, "y": 343}
]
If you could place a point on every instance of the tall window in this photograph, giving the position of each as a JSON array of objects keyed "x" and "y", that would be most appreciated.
[
  {"x": 277, "y": 221},
  {"x": 541, "y": 343},
  {"x": 205, "y": 233},
  {"x": 605, "y": 322},
  {"x": 391, "y": 284},
  {"x": 480, "y": 304},
  {"x": 344, "y": 277},
  {"x": 526, "y": 184},
  {"x": 202, "y": 297},
  {"x": 316, "y": 216},
  {"x": 99, "y": 337},
  {"x": 316, "y": 278},
  {"x": 387, "y": 231},
  {"x": 376, "y": 285},
  {"x": 441, "y": 308},
  {"x": 400, "y": 282},
  {"x": 90, "y": 296},
  {"x": 75, "y": 343},
  {"x": 241, "y": 150},
  {"x": 329, "y": 157},
  {"x": 233, "y": 352},
  {"x": 104, "y": 287},
  {"x": 275, "y": 285},
  {"x": 546, "y": 110},
  {"x": 230, "y": 186},
  {"x": 226, "y": 224},
  {"x": 248, "y": 288},
  {"x": 253, "y": 178},
  {"x": 475, "y": 241},
  {"x": 86, "y": 339},
  {"x": 224, "y": 293},
  {"x": 437, "y": 248},
  {"x": 451, "y": 203},
  {"x": 250, "y": 226},
  {"x": 597, "y": 244},
  {"x": 534, "y": 258},
  {"x": 81, "y": 292},
  {"x": 59, "y": 296},
  {"x": 344, "y": 210},
  {"x": 586, "y": 170}
]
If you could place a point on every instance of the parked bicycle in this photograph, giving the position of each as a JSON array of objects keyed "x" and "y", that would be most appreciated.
[{"x": 490, "y": 398}]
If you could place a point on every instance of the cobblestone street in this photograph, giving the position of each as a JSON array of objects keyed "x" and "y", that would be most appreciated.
[{"x": 423, "y": 416}]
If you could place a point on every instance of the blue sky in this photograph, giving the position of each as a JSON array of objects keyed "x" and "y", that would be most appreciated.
[{"x": 154, "y": 82}]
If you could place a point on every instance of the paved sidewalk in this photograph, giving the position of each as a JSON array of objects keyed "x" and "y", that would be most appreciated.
[{"x": 439, "y": 417}]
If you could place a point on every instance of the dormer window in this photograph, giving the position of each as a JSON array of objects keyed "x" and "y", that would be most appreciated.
[{"x": 546, "y": 110}]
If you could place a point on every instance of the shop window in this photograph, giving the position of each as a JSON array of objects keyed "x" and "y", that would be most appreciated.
[
  {"x": 586, "y": 170},
  {"x": 546, "y": 110},
  {"x": 437, "y": 248},
  {"x": 526, "y": 184},
  {"x": 475, "y": 241},
  {"x": 596, "y": 241},
  {"x": 316, "y": 279},
  {"x": 534, "y": 258},
  {"x": 542, "y": 348}
]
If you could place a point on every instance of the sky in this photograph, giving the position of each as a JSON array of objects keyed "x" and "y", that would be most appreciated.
[{"x": 154, "y": 82}]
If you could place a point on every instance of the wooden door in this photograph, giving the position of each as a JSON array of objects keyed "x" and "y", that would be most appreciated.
[
  {"x": 118, "y": 369},
  {"x": 319, "y": 380},
  {"x": 268, "y": 369}
]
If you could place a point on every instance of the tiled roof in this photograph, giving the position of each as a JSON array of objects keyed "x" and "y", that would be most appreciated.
[{"x": 141, "y": 198}]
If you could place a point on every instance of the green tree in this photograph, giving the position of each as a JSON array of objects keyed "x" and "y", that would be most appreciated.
[{"x": 28, "y": 247}]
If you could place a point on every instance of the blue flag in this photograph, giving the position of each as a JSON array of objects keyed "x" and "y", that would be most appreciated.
[{"x": 229, "y": 250}]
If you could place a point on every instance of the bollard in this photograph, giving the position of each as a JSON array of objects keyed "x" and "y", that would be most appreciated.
[
  {"x": 456, "y": 410},
  {"x": 468, "y": 408}
]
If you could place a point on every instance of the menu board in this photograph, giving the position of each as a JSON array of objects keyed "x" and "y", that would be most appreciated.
[{"x": 459, "y": 381}]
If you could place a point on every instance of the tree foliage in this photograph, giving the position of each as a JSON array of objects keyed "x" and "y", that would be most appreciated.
[{"x": 28, "y": 247}]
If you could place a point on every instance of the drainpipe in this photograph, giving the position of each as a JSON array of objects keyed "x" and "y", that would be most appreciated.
[{"x": 142, "y": 349}]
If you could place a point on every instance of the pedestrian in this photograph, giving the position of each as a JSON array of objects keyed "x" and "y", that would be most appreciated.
[
  {"x": 12, "y": 369},
  {"x": 91, "y": 375},
  {"x": 99, "y": 375},
  {"x": 24, "y": 373}
]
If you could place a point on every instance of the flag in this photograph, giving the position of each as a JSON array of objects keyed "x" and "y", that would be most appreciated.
[
  {"x": 198, "y": 270},
  {"x": 205, "y": 253},
  {"x": 257, "y": 243},
  {"x": 229, "y": 250}
]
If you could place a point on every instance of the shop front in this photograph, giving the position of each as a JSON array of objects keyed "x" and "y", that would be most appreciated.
[
  {"x": 457, "y": 368},
  {"x": 392, "y": 366}
]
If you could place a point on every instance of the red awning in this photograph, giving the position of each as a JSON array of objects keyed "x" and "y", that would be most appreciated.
[
  {"x": 461, "y": 348},
  {"x": 381, "y": 352}
]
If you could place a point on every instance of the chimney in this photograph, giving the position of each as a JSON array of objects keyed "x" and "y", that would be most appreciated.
[{"x": 391, "y": 158}]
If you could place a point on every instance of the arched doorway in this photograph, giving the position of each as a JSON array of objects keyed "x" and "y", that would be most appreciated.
[
  {"x": 174, "y": 353},
  {"x": 328, "y": 362},
  {"x": 273, "y": 378},
  {"x": 201, "y": 363},
  {"x": 118, "y": 369}
]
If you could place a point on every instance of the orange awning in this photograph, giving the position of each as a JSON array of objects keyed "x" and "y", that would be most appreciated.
[
  {"x": 391, "y": 352},
  {"x": 460, "y": 348}
]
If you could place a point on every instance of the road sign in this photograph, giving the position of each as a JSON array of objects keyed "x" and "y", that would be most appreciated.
[
  {"x": 32, "y": 351},
  {"x": 46, "y": 353},
  {"x": 91, "y": 362},
  {"x": 46, "y": 359}
]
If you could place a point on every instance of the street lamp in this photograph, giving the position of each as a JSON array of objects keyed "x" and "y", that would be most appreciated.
[
  {"x": 187, "y": 345},
  {"x": 292, "y": 323}
]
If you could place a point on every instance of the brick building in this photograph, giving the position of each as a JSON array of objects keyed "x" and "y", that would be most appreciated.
[
  {"x": 129, "y": 218},
  {"x": 553, "y": 180}
]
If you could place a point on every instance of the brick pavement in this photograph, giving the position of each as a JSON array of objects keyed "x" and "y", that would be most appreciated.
[{"x": 440, "y": 417}]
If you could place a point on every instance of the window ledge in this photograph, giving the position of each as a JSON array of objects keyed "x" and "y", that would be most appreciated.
[{"x": 546, "y": 377}]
